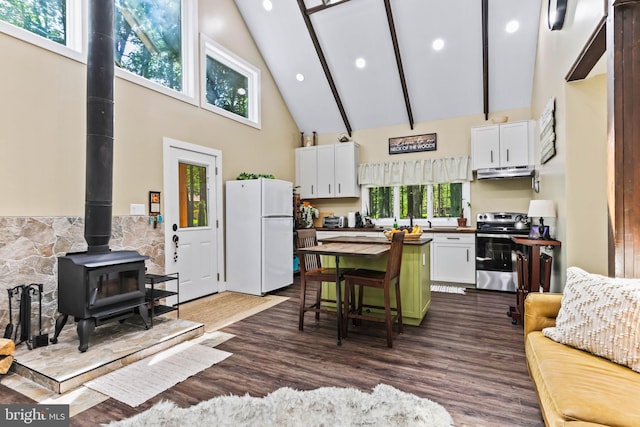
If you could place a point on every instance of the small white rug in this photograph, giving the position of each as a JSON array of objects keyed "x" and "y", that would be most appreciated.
[
  {"x": 448, "y": 289},
  {"x": 285, "y": 407},
  {"x": 138, "y": 382}
]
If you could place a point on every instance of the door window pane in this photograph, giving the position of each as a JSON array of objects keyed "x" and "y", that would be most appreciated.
[{"x": 192, "y": 185}]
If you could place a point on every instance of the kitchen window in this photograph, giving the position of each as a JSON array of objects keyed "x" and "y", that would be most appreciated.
[
  {"x": 230, "y": 85},
  {"x": 434, "y": 190},
  {"x": 438, "y": 203}
]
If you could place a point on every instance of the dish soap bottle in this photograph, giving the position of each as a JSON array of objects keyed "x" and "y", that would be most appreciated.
[{"x": 395, "y": 223}]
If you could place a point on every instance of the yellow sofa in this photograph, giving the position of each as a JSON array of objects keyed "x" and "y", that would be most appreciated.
[{"x": 575, "y": 388}]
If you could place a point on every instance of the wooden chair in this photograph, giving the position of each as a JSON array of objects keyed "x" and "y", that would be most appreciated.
[
  {"x": 545, "y": 271},
  {"x": 524, "y": 287},
  {"x": 311, "y": 271},
  {"x": 376, "y": 279}
]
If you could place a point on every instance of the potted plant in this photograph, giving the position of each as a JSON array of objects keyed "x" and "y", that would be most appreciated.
[{"x": 462, "y": 221}]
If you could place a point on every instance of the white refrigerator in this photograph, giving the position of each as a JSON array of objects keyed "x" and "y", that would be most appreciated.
[{"x": 259, "y": 235}]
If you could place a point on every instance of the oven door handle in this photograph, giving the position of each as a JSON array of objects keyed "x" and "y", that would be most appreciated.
[{"x": 500, "y": 236}]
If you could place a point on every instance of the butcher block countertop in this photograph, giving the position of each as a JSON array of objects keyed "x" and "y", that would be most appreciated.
[
  {"x": 366, "y": 239},
  {"x": 424, "y": 230}
]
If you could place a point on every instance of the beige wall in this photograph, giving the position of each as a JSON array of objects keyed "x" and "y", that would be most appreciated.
[
  {"x": 575, "y": 177},
  {"x": 586, "y": 186},
  {"x": 42, "y": 127},
  {"x": 454, "y": 139}
]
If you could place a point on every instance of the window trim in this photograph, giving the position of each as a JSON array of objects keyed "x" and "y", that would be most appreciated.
[
  {"x": 440, "y": 221},
  {"x": 212, "y": 49},
  {"x": 76, "y": 46}
]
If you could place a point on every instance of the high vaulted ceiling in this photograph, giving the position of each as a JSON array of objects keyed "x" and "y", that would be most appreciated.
[{"x": 438, "y": 84}]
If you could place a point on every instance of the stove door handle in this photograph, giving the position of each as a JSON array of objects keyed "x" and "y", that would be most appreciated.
[{"x": 500, "y": 236}]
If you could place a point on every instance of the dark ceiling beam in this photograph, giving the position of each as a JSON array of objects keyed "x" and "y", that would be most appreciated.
[
  {"x": 590, "y": 54},
  {"x": 396, "y": 50},
  {"x": 485, "y": 57},
  {"x": 321, "y": 7},
  {"x": 323, "y": 61}
]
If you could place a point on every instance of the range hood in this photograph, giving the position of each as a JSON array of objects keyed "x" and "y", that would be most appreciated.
[{"x": 504, "y": 173}]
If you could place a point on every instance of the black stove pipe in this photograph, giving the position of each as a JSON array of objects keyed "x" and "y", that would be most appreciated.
[{"x": 100, "y": 108}]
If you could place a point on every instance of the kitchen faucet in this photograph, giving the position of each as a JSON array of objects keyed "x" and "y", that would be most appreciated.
[{"x": 429, "y": 222}]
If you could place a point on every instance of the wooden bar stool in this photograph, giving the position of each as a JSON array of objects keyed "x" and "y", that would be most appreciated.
[
  {"x": 545, "y": 271},
  {"x": 524, "y": 287},
  {"x": 311, "y": 271},
  {"x": 376, "y": 279}
]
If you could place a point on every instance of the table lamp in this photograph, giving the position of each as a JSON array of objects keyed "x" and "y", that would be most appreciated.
[{"x": 542, "y": 209}]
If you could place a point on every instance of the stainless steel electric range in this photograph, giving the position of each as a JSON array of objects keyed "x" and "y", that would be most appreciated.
[{"x": 495, "y": 258}]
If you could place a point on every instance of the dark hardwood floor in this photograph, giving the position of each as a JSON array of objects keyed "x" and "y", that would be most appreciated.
[{"x": 466, "y": 355}]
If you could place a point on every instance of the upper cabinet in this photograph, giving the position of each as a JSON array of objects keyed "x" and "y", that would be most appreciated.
[
  {"x": 503, "y": 145},
  {"x": 325, "y": 171}
]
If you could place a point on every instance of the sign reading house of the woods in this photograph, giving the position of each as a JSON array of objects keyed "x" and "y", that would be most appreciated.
[{"x": 412, "y": 144}]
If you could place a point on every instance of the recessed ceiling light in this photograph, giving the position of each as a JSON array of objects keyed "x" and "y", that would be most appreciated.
[
  {"x": 437, "y": 44},
  {"x": 242, "y": 91},
  {"x": 361, "y": 63},
  {"x": 299, "y": 77},
  {"x": 267, "y": 5},
  {"x": 512, "y": 26}
]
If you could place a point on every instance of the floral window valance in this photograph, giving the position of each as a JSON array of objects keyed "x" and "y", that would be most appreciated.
[{"x": 416, "y": 172}]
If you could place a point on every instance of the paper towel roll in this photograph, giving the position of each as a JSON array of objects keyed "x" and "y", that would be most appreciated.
[{"x": 351, "y": 220}]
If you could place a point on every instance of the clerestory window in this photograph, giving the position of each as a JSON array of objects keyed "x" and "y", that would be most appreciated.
[
  {"x": 56, "y": 25},
  {"x": 155, "y": 40},
  {"x": 230, "y": 85},
  {"x": 155, "y": 43}
]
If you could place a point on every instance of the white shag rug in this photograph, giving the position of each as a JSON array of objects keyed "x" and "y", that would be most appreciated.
[
  {"x": 448, "y": 289},
  {"x": 327, "y": 406}
]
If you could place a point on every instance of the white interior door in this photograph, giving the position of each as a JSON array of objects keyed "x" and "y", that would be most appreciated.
[{"x": 192, "y": 198}]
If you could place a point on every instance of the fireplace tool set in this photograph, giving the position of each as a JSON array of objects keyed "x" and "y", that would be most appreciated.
[{"x": 21, "y": 332}]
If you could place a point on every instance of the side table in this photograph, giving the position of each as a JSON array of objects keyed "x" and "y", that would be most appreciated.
[{"x": 535, "y": 245}]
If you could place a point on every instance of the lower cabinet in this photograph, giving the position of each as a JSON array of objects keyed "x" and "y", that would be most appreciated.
[
  {"x": 454, "y": 258},
  {"x": 415, "y": 281}
]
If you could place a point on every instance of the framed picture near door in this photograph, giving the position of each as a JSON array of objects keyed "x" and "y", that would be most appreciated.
[{"x": 154, "y": 203}]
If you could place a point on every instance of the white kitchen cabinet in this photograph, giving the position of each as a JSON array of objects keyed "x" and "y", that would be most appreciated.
[
  {"x": 454, "y": 258},
  {"x": 326, "y": 171},
  {"x": 503, "y": 145},
  {"x": 347, "y": 157},
  {"x": 307, "y": 172}
]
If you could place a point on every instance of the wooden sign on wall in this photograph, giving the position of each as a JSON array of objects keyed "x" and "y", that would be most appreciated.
[
  {"x": 412, "y": 144},
  {"x": 548, "y": 132}
]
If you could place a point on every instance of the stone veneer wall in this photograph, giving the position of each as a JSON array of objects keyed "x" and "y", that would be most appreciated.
[{"x": 29, "y": 247}]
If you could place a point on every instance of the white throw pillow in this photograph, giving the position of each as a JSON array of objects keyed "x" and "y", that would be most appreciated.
[{"x": 600, "y": 315}]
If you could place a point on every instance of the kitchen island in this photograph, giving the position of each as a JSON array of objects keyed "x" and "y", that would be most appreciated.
[{"x": 415, "y": 275}]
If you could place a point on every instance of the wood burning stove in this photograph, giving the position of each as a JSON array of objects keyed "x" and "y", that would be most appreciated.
[
  {"x": 98, "y": 285},
  {"x": 99, "y": 288}
]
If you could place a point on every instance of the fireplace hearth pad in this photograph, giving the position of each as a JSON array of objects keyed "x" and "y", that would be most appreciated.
[{"x": 61, "y": 368}]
